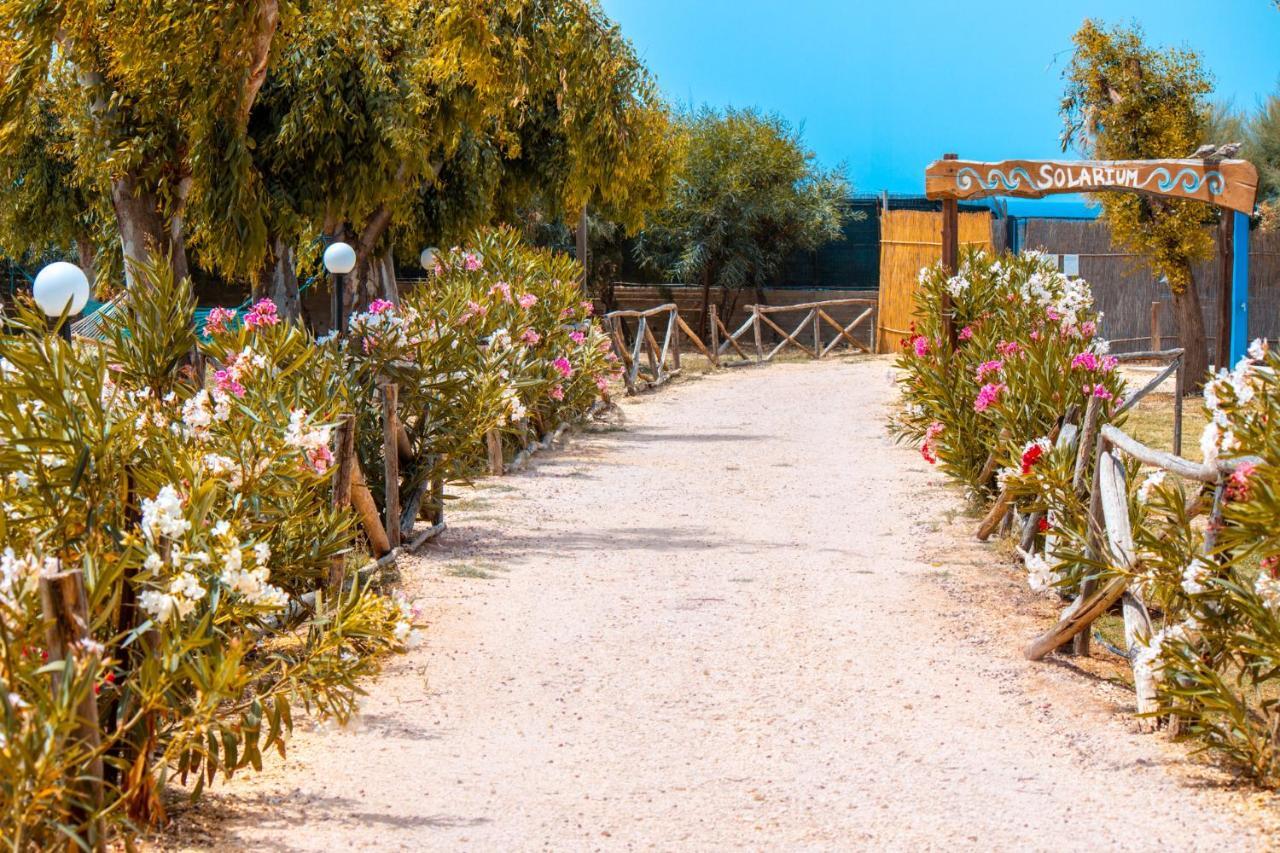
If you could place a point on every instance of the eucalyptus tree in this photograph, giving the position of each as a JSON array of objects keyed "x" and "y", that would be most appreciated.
[{"x": 157, "y": 102}]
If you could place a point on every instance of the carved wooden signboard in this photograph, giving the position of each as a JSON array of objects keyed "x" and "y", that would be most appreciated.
[{"x": 1232, "y": 184}]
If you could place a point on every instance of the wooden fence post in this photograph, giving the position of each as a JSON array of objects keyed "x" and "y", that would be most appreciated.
[
  {"x": 66, "y": 614},
  {"x": 1179, "y": 391},
  {"x": 755, "y": 328},
  {"x": 675, "y": 337},
  {"x": 950, "y": 258},
  {"x": 1155, "y": 327},
  {"x": 715, "y": 336},
  {"x": 435, "y": 511},
  {"x": 493, "y": 441},
  {"x": 344, "y": 441},
  {"x": 391, "y": 463},
  {"x": 817, "y": 334}
]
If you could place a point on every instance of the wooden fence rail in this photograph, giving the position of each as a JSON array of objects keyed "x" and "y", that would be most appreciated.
[{"x": 661, "y": 362}]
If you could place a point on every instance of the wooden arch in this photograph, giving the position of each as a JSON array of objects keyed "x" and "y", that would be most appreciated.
[{"x": 1229, "y": 184}]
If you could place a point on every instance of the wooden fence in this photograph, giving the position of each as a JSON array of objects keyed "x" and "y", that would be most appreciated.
[
  {"x": 1124, "y": 289},
  {"x": 909, "y": 241},
  {"x": 650, "y": 363}
]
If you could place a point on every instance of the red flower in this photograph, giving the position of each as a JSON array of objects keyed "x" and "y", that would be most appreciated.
[{"x": 1044, "y": 524}]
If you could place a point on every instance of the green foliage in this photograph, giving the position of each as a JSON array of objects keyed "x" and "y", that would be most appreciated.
[
  {"x": 500, "y": 339},
  {"x": 200, "y": 519},
  {"x": 745, "y": 196},
  {"x": 1216, "y": 656},
  {"x": 1027, "y": 353},
  {"x": 1125, "y": 100}
]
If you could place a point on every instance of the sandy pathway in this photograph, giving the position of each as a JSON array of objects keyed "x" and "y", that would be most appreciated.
[{"x": 747, "y": 620}]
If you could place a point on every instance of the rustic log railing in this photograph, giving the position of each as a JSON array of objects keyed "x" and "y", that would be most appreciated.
[
  {"x": 647, "y": 362},
  {"x": 1110, "y": 541},
  {"x": 1080, "y": 438}
]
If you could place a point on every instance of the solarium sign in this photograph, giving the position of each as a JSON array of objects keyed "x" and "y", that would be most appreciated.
[{"x": 1229, "y": 183}]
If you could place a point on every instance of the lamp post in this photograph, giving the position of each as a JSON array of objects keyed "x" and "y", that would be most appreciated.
[
  {"x": 339, "y": 259},
  {"x": 428, "y": 258},
  {"x": 61, "y": 288}
]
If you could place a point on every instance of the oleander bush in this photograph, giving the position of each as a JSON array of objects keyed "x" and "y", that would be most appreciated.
[
  {"x": 188, "y": 479},
  {"x": 1216, "y": 653},
  {"x": 1027, "y": 354}
]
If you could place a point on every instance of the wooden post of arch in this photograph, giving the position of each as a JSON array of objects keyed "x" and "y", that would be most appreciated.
[
  {"x": 950, "y": 258},
  {"x": 1232, "y": 185}
]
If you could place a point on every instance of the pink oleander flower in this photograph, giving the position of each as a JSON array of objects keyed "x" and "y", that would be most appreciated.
[
  {"x": 1035, "y": 334},
  {"x": 263, "y": 313},
  {"x": 218, "y": 321},
  {"x": 929, "y": 450},
  {"x": 227, "y": 382},
  {"x": 966, "y": 333},
  {"x": 502, "y": 290},
  {"x": 1008, "y": 348},
  {"x": 527, "y": 300},
  {"x": 987, "y": 395},
  {"x": 602, "y": 384},
  {"x": 563, "y": 367},
  {"x": 1271, "y": 565},
  {"x": 1088, "y": 329},
  {"x": 557, "y": 393},
  {"x": 382, "y": 306},
  {"x": 1109, "y": 363},
  {"x": 1238, "y": 482},
  {"x": 472, "y": 262},
  {"x": 319, "y": 458},
  {"x": 613, "y": 356},
  {"x": 1099, "y": 390},
  {"x": 1052, "y": 314},
  {"x": 577, "y": 337},
  {"x": 530, "y": 337},
  {"x": 568, "y": 312},
  {"x": 986, "y": 367},
  {"x": 588, "y": 307},
  {"x": 921, "y": 345},
  {"x": 1086, "y": 360},
  {"x": 474, "y": 309}
]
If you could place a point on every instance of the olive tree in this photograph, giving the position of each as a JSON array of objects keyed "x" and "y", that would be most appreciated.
[
  {"x": 745, "y": 195},
  {"x": 1127, "y": 100}
]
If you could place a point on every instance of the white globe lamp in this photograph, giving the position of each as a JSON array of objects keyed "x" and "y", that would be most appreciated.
[
  {"x": 339, "y": 258},
  {"x": 428, "y": 258},
  {"x": 61, "y": 287}
]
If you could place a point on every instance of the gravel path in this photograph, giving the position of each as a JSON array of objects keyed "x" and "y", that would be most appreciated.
[{"x": 745, "y": 620}]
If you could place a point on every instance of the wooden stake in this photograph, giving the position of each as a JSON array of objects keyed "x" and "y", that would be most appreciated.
[
  {"x": 714, "y": 325},
  {"x": 344, "y": 463},
  {"x": 367, "y": 510},
  {"x": 66, "y": 615},
  {"x": 950, "y": 258},
  {"x": 493, "y": 442},
  {"x": 391, "y": 464},
  {"x": 755, "y": 324},
  {"x": 1155, "y": 326},
  {"x": 817, "y": 333}
]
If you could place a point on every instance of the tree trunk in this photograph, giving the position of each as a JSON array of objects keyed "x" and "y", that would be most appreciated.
[
  {"x": 278, "y": 280},
  {"x": 366, "y": 281},
  {"x": 144, "y": 231},
  {"x": 390, "y": 288},
  {"x": 88, "y": 256},
  {"x": 1191, "y": 334}
]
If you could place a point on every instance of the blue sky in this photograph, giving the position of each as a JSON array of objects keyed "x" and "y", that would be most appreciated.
[{"x": 885, "y": 87}]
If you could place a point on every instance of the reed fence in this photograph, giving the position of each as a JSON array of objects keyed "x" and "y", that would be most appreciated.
[{"x": 909, "y": 241}]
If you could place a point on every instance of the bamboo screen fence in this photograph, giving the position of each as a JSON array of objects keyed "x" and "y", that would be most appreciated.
[{"x": 909, "y": 240}]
